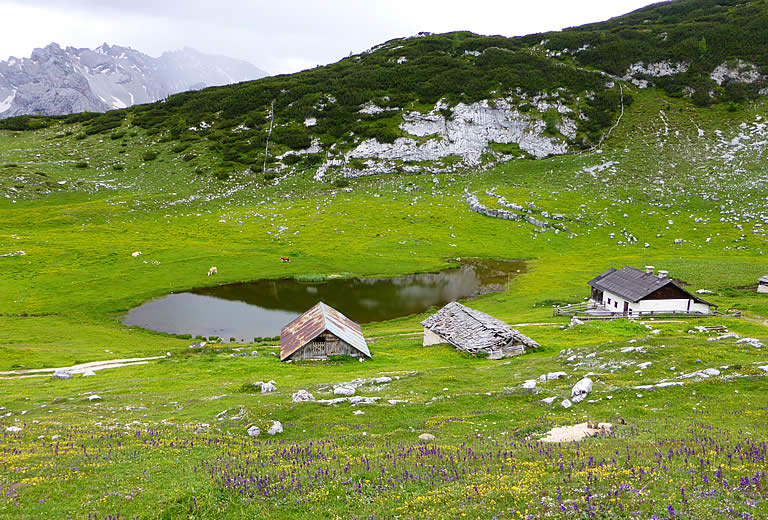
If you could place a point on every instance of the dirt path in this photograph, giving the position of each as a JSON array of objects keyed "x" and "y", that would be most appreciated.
[{"x": 78, "y": 369}]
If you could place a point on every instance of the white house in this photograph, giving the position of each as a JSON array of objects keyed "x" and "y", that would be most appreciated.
[
  {"x": 631, "y": 291},
  {"x": 762, "y": 284}
]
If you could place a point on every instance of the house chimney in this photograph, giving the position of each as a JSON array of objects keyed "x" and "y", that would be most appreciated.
[
  {"x": 663, "y": 274},
  {"x": 649, "y": 269}
]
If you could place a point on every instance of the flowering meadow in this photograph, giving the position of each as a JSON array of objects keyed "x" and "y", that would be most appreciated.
[{"x": 692, "y": 451}]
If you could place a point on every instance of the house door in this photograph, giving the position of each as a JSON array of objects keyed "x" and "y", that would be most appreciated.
[{"x": 626, "y": 307}]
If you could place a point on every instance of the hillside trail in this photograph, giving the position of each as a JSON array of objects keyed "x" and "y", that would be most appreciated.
[{"x": 77, "y": 369}]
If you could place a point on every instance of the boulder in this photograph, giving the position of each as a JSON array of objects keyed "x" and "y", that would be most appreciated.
[
  {"x": 301, "y": 396},
  {"x": 550, "y": 376},
  {"x": 13, "y": 429},
  {"x": 566, "y": 403},
  {"x": 268, "y": 387},
  {"x": 277, "y": 427},
  {"x": 382, "y": 380},
  {"x": 62, "y": 374},
  {"x": 344, "y": 390},
  {"x": 94, "y": 397},
  {"x": 427, "y": 437},
  {"x": 581, "y": 389},
  {"x": 253, "y": 431},
  {"x": 529, "y": 384},
  {"x": 89, "y": 373},
  {"x": 549, "y": 400}
]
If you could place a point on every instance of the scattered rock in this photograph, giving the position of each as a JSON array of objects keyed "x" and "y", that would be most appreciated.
[
  {"x": 344, "y": 390},
  {"x": 575, "y": 321},
  {"x": 332, "y": 401},
  {"x": 94, "y": 397},
  {"x": 398, "y": 401},
  {"x": 89, "y": 373},
  {"x": 549, "y": 400},
  {"x": 529, "y": 385},
  {"x": 13, "y": 429},
  {"x": 707, "y": 372},
  {"x": 552, "y": 376},
  {"x": 358, "y": 412},
  {"x": 427, "y": 437},
  {"x": 277, "y": 427},
  {"x": 254, "y": 431},
  {"x": 751, "y": 341},
  {"x": 581, "y": 389},
  {"x": 301, "y": 396},
  {"x": 62, "y": 374},
  {"x": 359, "y": 399},
  {"x": 267, "y": 387},
  {"x": 566, "y": 403},
  {"x": 382, "y": 380},
  {"x": 136, "y": 254}
]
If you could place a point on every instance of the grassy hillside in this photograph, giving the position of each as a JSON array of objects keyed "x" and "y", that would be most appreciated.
[{"x": 675, "y": 185}]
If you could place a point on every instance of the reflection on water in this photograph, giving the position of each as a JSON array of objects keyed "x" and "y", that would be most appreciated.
[{"x": 245, "y": 311}]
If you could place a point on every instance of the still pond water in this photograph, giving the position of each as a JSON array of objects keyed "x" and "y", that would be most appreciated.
[{"x": 261, "y": 309}]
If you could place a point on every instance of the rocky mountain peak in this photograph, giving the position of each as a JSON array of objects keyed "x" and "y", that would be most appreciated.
[{"x": 55, "y": 81}]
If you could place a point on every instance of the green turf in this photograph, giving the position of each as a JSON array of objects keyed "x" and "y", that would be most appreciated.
[{"x": 168, "y": 438}]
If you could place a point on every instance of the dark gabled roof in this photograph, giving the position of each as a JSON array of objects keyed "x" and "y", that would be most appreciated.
[
  {"x": 763, "y": 279},
  {"x": 633, "y": 284},
  {"x": 472, "y": 330},
  {"x": 314, "y": 322}
]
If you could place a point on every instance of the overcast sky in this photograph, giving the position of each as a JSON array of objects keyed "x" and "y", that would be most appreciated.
[{"x": 279, "y": 37}]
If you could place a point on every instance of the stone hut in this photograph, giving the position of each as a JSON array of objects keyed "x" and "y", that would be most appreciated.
[
  {"x": 473, "y": 331},
  {"x": 321, "y": 333},
  {"x": 762, "y": 284}
]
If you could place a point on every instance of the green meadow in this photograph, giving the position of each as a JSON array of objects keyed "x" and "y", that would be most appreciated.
[{"x": 675, "y": 186}]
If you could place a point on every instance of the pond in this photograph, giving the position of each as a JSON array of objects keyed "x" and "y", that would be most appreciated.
[{"x": 261, "y": 309}]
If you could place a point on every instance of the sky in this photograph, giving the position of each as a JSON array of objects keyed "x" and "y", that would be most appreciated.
[{"x": 279, "y": 37}]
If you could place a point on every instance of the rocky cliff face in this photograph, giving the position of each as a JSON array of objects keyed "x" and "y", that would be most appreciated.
[
  {"x": 56, "y": 81},
  {"x": 466, "y": 133}
]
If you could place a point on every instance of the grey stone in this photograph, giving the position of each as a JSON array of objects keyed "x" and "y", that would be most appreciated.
[
  {"x": 301, "y": 396},
  {"x": 277, "y": 427},
  {"x": 344, "y": 390},
  {"x": 254, "y": 431},
  {"x": 427, "y": 437},
  {"x": 581, "y": 389}
]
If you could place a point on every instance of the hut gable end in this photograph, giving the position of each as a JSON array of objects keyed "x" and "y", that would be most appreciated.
[{"x": 322, "y": 327}]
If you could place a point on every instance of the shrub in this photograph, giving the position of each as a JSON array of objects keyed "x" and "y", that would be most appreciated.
[
  {"x": 149, "y": 155},
  {"x": 81, "y": 164}
]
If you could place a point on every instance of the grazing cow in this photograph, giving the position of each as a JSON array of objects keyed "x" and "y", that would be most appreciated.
[
  {"x": 285, "y": 259},
  {"x": 136, "y": 254},
  {"x": 212, "y": 271}
]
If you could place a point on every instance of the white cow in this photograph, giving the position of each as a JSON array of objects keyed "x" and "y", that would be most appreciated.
[{"x": 212, "y": 271}]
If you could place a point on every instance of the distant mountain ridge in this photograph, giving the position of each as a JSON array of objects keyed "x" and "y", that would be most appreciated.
[{"x": 56, "y": 81}]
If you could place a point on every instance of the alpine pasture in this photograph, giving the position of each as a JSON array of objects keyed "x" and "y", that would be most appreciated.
[{"x": 675, "y": 186}]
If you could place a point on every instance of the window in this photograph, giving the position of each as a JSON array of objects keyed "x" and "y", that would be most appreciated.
[{"x": 616, "y": 304}]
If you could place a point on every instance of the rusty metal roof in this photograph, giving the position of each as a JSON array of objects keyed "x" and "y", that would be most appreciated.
[{"x": 314, "y": 322}]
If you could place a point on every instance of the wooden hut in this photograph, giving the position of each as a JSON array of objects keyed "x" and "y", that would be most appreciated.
[
  {"x": 320, "y": 333},
  {"x": 474, "y": 332},
  {"x": 762, "y": 284}
]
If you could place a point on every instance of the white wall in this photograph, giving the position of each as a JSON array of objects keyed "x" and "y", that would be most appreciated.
[
  {"x": 762, "y": 288},
  {"x": 617, "y": 305}
]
